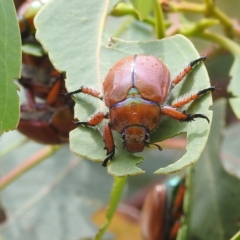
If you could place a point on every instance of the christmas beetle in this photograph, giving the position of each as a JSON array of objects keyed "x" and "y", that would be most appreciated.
[
  {"x": 163, "y": 209},
  {"x": 40, "y": 79},
  {"x": 46, "y": 125},
  {"x": 135, "y": 90},
  {"x": 46, "y": 117}
]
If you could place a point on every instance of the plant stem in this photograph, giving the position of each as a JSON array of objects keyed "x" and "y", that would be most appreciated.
[
  {"x": 224, "y": 42},
  {"x": 186, "y": 7},
  {"x": 198, "y": 27},
  {"x": 123, "y": 9},
  {"x": 213, "y": 11},
  {"x": 209, "y": 4},
  {"x": 27, "y": 164},
  {"x": 123, "y": 27},
  {"x": 159, "y": 20},
  {"x": 115, "y": 197}
]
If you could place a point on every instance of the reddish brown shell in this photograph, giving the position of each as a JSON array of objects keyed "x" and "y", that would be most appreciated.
[
  {"x": 146, "y": 73},
  {"x": 47, "y": 127},
  {"x": 153, "y": 222}
]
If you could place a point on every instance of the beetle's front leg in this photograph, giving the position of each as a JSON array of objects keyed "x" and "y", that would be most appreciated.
[
  {"x": 88, "y": 91},
  {"x": 109, "y": 143},
  {"x": 181, "y": 116},
  {"x": 107, "y": 134},
  {"x": 94, "y": 120}
]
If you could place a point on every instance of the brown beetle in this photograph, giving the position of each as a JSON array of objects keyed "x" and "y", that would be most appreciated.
[
  {"x": 162, "y": 210},
  {"x": 135, "y": 91},
  {"x": 46, "y": 117}
]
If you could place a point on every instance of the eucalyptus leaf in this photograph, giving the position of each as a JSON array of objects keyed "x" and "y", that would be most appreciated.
[
  {"x": 33, "y": 49},
  {"x": 143, "y": 7},
  {"x": 236, "y": 236},
  {"x": 233, "y": 87},
  {"x": 235, "y": 104},
  {"x": 86, "y": 55},
  {"x": 116, "y": 194},
  {"x": 216, "y": 193},
  {"x": 230, "y": 150},
  {"x": 10, "y": 62}
]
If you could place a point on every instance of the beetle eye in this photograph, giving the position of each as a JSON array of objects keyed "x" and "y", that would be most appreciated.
[
  {"x": 146, "y": 136},
  {"x": 123, "y": 136}
]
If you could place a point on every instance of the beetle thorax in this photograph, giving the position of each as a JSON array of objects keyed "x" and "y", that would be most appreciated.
[
  {"x": 135, "y": 110},
  {"x": 135, "y": 118}
]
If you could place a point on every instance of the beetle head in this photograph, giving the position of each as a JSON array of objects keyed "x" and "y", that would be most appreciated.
[{"x": 135, "y": 138}]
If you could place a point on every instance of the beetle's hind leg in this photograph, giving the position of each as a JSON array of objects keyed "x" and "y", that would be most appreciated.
[
  {"x": 186, "y": 70},
  {"x": 172, "y": 111},
  {"x": 183, "y": 101},
  {"x": 86, "y": 90},
  {"x": 181, "y": 115}
]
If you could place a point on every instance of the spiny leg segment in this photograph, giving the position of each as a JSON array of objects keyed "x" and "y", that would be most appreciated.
[
  {"x": 184, "y": 101},
  {"x": 88, "y": 91},
  {"x": 186, "y": 70},
  {"x": 172, "y": 111},
  {"x": 179, "y": 115},
  {"x": 95, "y": 120}
]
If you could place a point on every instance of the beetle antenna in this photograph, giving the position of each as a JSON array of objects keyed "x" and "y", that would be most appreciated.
[{"x": 158, "y": 146}]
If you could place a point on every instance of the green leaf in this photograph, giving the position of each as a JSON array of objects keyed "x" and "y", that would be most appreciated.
[
  {"x": 33, "y": 49},
  {"x": 143, "y": 7},
  {"x": 10, "y": 62},
  {"x": 49, "y": 187},
  {"x": 88, "y": 56},
  {"x": 183, "y": 232},
  {"x": 236, "y": 236},
  {"x": 233, "y": 87},
  {"x": 115, "y": 198},
  {"x": 235, "y": 104},
  {"x": 230, "y": 149},
  {"x": 216, "y": 193}
]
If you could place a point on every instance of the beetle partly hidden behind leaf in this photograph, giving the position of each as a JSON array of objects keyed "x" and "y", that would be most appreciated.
[{"x": 135, "y": 91}]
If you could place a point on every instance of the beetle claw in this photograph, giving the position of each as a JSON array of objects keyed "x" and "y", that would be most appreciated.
[
  {"x": 109, "y": 157},
  {"x": 191, "y": 117}
]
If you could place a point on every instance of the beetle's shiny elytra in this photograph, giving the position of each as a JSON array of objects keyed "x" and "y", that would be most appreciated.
[
  {"x": 163, "y": 209},
  {"x": 50, "y": 119},
  {"x": 135, "y": 91}
]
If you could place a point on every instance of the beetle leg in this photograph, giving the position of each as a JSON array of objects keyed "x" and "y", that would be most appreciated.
[
  {"x": 94, "y": 120},
  {"x": 174, "y": 230},
  {"x": 109, "y": 143},
  {"x": 181, "y": 102},
  {"x": 156, "y": 145},
  {"x": 107, "y": 134},
  {"x": 88, "y": 91},
  {"x": 54, "y": 92},
  {"x": 181, "y": 116},
  {"x": 186, "y": 70}
]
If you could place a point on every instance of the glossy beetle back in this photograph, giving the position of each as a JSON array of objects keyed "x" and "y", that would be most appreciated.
[
  {"x": 118, "y": 81},
  {"x": 152, "y": 78},
  {"x": 146, "y": 73}
]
